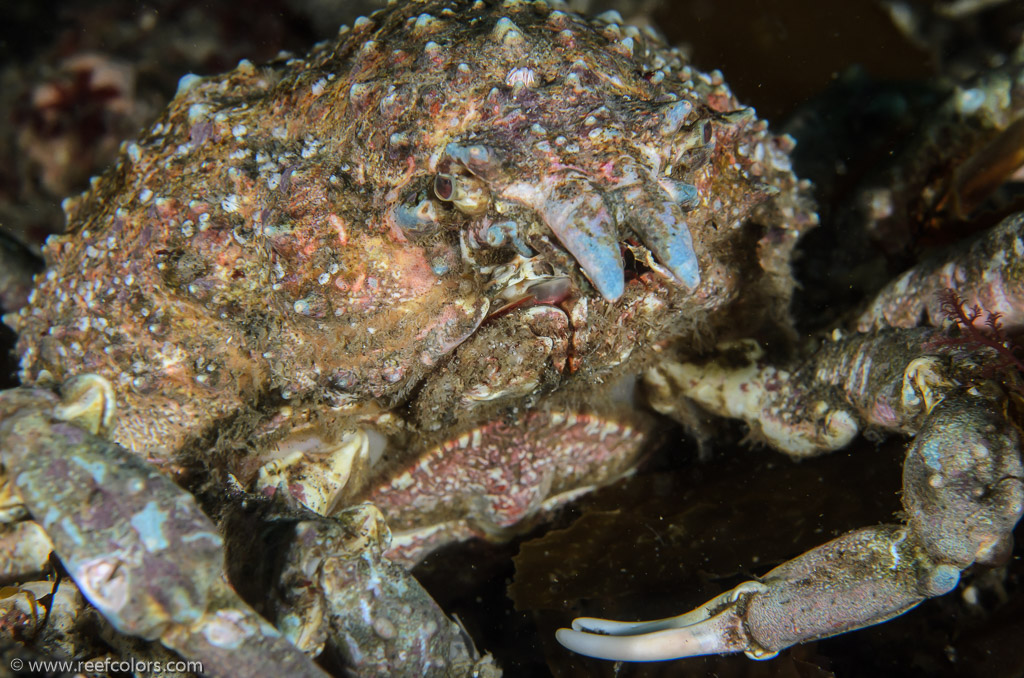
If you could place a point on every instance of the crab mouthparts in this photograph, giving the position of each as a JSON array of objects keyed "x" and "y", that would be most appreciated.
[{"x": 531, "y": 289}]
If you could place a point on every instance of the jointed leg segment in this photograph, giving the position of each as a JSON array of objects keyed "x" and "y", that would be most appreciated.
[{"x": 963, "y": 492}]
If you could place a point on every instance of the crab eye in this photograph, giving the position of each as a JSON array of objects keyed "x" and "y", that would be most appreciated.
[{"x": 444, "y": 187}]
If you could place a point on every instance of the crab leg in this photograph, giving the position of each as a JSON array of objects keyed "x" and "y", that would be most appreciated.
[
  {"x": 857, "y": 580},
  {"x": 136, "y": 544},
  {"x": 988, "y": 272},
  {"x": 337, "y": 590},
  {"x": 963, "y": 492}
]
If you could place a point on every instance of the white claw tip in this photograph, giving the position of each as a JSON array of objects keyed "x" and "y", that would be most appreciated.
[
  {"x": 648, "y": 647},
  {"x": 695, "y": 633}
]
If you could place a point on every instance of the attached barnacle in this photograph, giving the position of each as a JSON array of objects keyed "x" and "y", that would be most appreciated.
[
  {"x": 686, "y": 195},
  {"x": 415, "y": 219},
  {"x": 444, "y": 186},
  {"x": 482, "y": 161},
  {"x": 673, "y": 116},
  {"x": 468, "y": 193},
  {"x": 694, "y": 146},
  {"x": 89, "y": 401},
  {"x": 506, "y": 232},
  {"x": 425, "y": 24},
  {"x": 506, "y": 32}
]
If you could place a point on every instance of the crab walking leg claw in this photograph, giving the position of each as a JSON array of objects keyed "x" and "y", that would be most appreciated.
[
  {"x": 963, "y": 493},
  {"x": 707, "y": 630},
  {"x": 136, "y": 544}
]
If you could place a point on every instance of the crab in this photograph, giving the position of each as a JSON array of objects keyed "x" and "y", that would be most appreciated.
[{"x": 428, "y": 283}]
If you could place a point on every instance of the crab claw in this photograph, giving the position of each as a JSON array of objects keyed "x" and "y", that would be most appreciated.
[
  {"x": 712, "y": 628},
  {"x": 576, "y": 213},
  {"x": 662, "y": 227},
  {"x": 862, "y": 578}
]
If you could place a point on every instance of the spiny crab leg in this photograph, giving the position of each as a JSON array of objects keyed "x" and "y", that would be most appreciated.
[
  {"x": 963, "y": 493},
  {"x": 136, "y": 544}
]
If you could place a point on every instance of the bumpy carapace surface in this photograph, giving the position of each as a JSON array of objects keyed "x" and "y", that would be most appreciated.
[{"x": 457, "y": 220}]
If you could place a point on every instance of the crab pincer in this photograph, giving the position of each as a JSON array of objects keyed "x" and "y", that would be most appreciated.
[{"x": 963, "y": 493}]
